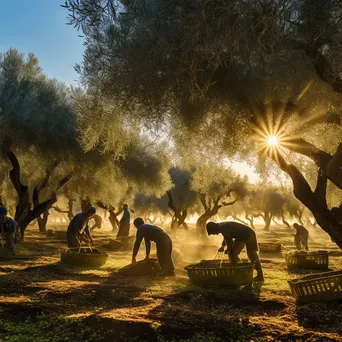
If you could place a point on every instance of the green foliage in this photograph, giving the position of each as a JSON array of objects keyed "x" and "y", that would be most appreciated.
[
  {"x": 216, "y": 180},
  {"x": 52, "y": 328},
  {"x": 35, "y": 112},
  {"x": 267, "y": 201},
  {"x": 182, "y": 193}
]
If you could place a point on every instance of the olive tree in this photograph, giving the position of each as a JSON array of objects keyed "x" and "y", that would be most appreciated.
[
  {"x": 202, "y": 63},
  {"x": 37, "y": 134},
  {"x": 218, "y": 186},
  {"x": 181, "y": 197}
]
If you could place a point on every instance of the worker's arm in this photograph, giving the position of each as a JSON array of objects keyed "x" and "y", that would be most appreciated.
[
  {"x": 136, "y": 247},
  {"x": 228, "y": 242},
  {"x": 148, "y": 247}
]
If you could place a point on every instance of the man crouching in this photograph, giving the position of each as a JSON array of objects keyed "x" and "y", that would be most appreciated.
[
  {"x": 243, "y": 236},
  {"x": 149, "y": 233}
]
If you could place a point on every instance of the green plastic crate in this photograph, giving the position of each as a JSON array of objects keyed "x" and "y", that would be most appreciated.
[
  {"x": 216, "y": 272},
  {"x": 317, "y": 287},
  {"x": 311, "y": 260}
]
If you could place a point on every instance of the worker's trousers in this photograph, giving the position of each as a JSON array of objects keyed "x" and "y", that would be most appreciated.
[{"x": 252, "y": 251}]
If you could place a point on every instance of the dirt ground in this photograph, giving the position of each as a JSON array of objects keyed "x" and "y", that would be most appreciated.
[{"x": 43, "y": 299}]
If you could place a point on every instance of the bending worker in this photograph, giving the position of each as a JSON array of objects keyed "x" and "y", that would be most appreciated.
[
  {"x": 243, "y": 236},
  {"x": 8, "y": 229},
  {"x": 149, "y": 233},
  {"x": 301, "y": 237},
  {"x": 78, "y": 229},
  {"x": 124, "y": 222}
]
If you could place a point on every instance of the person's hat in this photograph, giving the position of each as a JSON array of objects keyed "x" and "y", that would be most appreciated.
[
  {"x": 3, "y": 210},
  {"x": 91, "y": 210},
  {"x": 138, "y": 222},
  {"x": 212, "y": 228}
]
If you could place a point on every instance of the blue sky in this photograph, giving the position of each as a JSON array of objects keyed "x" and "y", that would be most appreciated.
[{"x": 39, "y": 26}]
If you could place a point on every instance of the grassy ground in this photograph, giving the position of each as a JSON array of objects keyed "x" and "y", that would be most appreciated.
[{"x": 45, "y": 300}]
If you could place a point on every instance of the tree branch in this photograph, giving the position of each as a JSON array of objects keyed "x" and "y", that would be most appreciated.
[
  {"x": 203, "y": 200},
  {"x": 334, "y": 167},
  {"x": 60, "y": 210},
  {"x": 225, "y": 204},
  {"x": 305, "y": 148},
  {"x": 171, "y": 203},
  {"x": 321, "y": 188},
  {"x": 48, "y": 173},
  {"x": 15, "y": 174}
]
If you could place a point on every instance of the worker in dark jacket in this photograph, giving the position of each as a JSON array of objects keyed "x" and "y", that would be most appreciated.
[
  {"x": 149, "y": 233},
  {"x": 78, "y": 229},
  {"x": 243, "y": 236},
  {"x": 124, "y": 222},
  {"x": 301, "y": 237},
  {"x": 8, "y": 229}
]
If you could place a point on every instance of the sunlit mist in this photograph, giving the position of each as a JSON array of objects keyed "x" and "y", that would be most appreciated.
[{"x": 272, "y": 140}]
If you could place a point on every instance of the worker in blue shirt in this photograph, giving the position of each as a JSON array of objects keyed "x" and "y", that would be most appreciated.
[{"x": 149, "y": 233}]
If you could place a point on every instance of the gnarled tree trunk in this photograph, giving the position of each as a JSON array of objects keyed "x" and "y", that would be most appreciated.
[
  {"x": 284, "y": 220},
  {"x": 27, "y": 210},
  {"x": 329, "y": 220},
  {"x": 42, "y": 221},
  {"x": 211, "y": 208},
  {"x": 179, "y": 214},
  {"x": 250, "y": 219},
  {"x": 113, "y": 216}
]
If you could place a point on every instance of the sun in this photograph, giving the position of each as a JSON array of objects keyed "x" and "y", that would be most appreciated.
[{"x": 272, "y": 140}]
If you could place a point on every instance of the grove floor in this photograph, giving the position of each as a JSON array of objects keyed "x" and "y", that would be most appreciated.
[{"x": 42, "y": 299}]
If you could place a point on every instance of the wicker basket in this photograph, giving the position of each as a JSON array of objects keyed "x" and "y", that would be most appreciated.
[
  {"x": 270, "y": 247},
  {"x": 84, "y": 256},
  {"x": 317, "y": 287},
  {"x": 216, "y": 272},
  {"x": 318, "y": 260}
]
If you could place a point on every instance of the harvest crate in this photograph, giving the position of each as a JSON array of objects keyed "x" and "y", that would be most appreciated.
[
  {"x": 309, "y": 260},
  {"x": 216, "y": 272},
  {"x": 317, "y": 287},
  {"x": 84, "y": 256},
  {"x": 270, "y": 247}
]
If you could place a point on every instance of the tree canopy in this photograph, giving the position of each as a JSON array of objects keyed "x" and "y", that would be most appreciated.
[{"x": 229, "y": 71}]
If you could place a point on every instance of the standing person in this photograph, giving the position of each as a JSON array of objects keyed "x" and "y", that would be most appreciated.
[
  {"x": 78, "y": 229},
  {"x": 243, "y": 236},
  {"x": 124, "y": 222},
  {"x": 301, "y": 237},
  {"x": 149, "y": 233},
  {"x": 8, "y": 229}
]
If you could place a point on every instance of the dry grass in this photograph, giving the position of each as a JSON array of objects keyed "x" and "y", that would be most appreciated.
[{"x": 160, "y": 308}]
